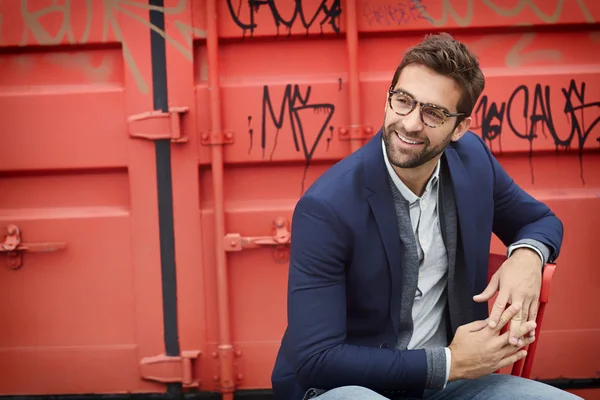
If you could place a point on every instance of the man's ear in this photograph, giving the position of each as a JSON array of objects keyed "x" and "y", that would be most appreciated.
[
  {"x": 461, "y": 129},
  {"x": 387, "y": 103}
]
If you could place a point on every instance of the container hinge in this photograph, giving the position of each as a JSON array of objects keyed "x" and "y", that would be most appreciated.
[
  {"x": 216, "y": 138},
  {"x": 14, "y": 247},
  {"x": 357, "y": 132},
  {"x": 157, "y": 125},
  {"x": 171, "y": 369}
]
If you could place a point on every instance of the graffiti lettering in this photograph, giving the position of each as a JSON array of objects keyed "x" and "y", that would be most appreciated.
[
  {"x": 491, "y": 120},
  {"x": 329, "y": 15},
  {"x": 577, "y": 128},
  {"x": 396, "y": 13},
  {"x": 448, "y": 10},
  {"x": 40, "y": 20},
  {"x": 538, "y": 116},
  {"x": 294, "y": 102}
]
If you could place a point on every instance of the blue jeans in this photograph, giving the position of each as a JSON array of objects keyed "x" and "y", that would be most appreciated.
[{"x": 491, "y": 387}]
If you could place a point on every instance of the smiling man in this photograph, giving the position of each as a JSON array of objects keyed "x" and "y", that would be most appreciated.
[{"x": 388, "y": 291}]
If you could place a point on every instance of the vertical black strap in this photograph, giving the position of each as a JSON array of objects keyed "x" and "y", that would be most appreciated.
[{"x": 165, "y": 192}]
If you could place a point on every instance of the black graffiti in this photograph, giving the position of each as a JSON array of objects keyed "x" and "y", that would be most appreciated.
[
  {"x": 328, "y": 15},
  {"x": 294, "y": 102},
  {"x": 250, "y": 133},
  {"x": 491, "y": 120},
  {"x": 538, "y": 117},
  {"x": 330, "y": 138}
]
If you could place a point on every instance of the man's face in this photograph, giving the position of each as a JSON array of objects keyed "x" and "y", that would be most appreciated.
[{"x": 408, "y": 141}]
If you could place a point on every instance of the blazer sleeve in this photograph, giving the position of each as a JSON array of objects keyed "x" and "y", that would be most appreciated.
[
  {"x": 519, "y": 216},
  {"x": 316, "y": 331}
]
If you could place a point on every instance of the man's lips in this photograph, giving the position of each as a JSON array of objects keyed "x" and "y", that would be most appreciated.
[{"x": 409, "y": 141}]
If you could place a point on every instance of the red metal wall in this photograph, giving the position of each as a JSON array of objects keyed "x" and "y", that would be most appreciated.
[{"x": 281, "y": 87}]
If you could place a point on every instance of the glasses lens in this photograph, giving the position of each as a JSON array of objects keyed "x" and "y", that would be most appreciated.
[
  {"x": 432, "y": 116},
  {"x": 401, "y": 103}
]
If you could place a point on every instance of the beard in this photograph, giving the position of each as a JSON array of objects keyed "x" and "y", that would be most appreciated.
[{"x": 411, "y": 158}]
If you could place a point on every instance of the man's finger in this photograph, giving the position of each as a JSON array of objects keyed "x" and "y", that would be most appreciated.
[
  {"x": 505, "y": 362},
  {"x": 498, "y": 308},
  {"x": 533, "y": 311},
  {"x": 508, "y": 349},
  {"x": 507, "y": 315},
  {"x": 476, "y": 326},
  {"x": 489, "y": 291},
  {"x": 516, "y": 321},
  {"x": 502, "y": 341}
]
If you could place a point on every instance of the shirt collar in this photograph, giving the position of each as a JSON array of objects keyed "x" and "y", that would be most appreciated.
[{"x": 404, "y": 190}]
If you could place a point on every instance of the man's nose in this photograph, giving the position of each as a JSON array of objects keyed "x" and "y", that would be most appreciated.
[{"x": 412, "y": 122}]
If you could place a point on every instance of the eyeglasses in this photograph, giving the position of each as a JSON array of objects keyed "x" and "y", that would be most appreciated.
[{"x": 431, "y": 115}]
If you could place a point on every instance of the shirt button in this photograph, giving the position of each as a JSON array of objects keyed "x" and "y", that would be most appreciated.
[{"x": 384, "y": 346}]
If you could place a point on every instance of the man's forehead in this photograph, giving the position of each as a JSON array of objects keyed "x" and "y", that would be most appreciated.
[{"x": 426, "y": 86}]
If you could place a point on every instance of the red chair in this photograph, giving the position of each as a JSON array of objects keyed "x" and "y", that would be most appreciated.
[{"x": 522, "y": 367}]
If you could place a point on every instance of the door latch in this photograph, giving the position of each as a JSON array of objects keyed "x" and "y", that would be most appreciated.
[
  {"x": 171, "y": 369},
  {"x": 281, "y": 237},
  {"x": 156, "y": 125},
  {"x": 14, "y": 248},
  {"x": 279, "y": 241}
]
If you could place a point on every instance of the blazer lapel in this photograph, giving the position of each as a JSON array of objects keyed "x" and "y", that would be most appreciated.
[
  {"x": 466, "y": 207},
  {"x": 459, "y": 296},
  {"x": 382, "y": 205}
]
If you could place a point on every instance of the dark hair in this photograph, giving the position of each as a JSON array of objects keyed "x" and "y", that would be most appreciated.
[{"x": 449, "y": 57}]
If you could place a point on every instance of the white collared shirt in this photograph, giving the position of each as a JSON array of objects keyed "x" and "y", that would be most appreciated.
[{"x": 430, "y": 297}]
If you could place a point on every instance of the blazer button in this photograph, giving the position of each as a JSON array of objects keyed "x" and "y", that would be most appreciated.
[{"x": 384, "y": 346}]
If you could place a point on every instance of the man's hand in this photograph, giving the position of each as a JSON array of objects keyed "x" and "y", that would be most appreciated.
[
  {"x": 519, "y": 280},
  {"x": 478, "y": 350}
]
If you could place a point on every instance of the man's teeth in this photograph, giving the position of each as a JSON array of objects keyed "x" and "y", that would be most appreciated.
[{"x": 405, "y": 140}]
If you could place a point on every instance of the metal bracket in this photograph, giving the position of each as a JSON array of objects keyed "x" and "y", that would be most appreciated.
[
  {"x": 168, "y": 369},
  {"x": 157, "y": 125},
  {"x": 216, "y": 138},
  {"x": 357, "y": 132},
  {"x": 281, "y": 237},
  {"x": 14, "y": 248}
]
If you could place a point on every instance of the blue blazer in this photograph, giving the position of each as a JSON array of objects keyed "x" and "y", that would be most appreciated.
[{"x": 344, "y": 260}]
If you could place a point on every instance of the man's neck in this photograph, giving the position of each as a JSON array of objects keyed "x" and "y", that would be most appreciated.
[{"x": 416, "y": 178}]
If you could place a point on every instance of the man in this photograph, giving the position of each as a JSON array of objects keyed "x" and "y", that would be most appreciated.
[{"x": 388, "y": 274}]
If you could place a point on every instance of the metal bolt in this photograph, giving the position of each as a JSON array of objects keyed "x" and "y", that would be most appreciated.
[
  {"x": 238, "y": 353},
  {"x": 233, "y": 243},
  {"x": 240, "y": 377},
  {"x": 205, "y": 136},
  {"x": 369, "y": 130},
  {"x": 214, "y": 354},
  {"x": 228, "y": 135},
  {"x": 13, "y": 262},
  {"x": 343, "y": 131},
  {"x": 215, "y": 378}
]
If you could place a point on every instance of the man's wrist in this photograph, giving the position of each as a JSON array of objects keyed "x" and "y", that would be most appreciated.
[
  {"x": 528, "y": 253},
  {"x": 453, "y": 373},
  {"x": 448, "y": 364},
  {"x": 540, "y": 248}
]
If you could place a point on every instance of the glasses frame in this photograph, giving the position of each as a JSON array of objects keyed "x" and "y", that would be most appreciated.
[{"x": 446, "y": 113}]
